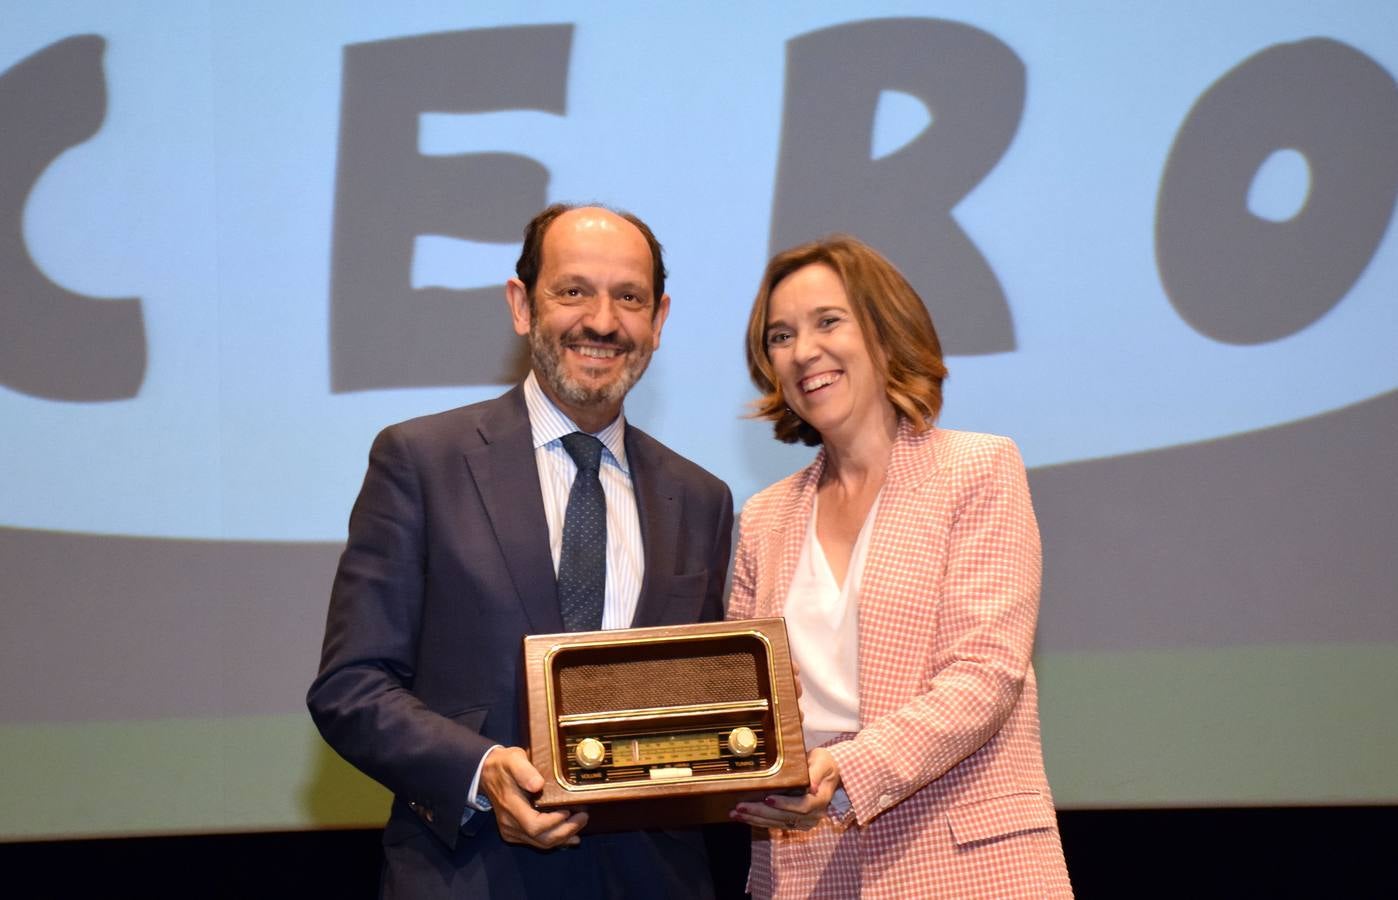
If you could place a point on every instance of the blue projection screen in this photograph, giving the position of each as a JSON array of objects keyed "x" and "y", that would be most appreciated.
[{"x": 237, "y": 239}]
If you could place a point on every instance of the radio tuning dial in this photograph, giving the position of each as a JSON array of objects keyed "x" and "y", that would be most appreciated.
[
  {"x": 590, "y": 752},
  {"x": 742, "y": 741}
]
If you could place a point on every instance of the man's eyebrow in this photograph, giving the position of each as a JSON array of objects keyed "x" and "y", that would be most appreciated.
[{"x": 569, "y": 278}]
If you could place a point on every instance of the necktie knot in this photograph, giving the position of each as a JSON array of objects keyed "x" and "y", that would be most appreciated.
[{"x": 585, "y": 449}]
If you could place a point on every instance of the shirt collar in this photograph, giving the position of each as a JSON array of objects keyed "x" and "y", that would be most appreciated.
[{"x": 548, "y": 424}]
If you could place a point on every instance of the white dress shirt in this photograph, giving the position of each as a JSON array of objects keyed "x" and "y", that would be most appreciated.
[{"x": 625, "y": 552}]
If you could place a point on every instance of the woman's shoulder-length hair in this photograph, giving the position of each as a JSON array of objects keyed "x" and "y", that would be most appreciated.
[{"x": 897, "y": 330}]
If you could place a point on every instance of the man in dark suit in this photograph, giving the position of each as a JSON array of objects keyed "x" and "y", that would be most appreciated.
[{"x": 462, "y": 540}]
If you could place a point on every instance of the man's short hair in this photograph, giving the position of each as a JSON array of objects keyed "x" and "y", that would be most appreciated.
[
  {"x": 897, "y": 329},
  {"x": 532, "y": 253}
]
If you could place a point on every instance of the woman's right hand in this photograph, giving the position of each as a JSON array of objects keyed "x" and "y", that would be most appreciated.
[{"x": 802, "y": 812}]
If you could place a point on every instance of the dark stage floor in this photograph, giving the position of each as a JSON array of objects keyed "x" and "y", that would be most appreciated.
[{"x": 1292, "y": 852}]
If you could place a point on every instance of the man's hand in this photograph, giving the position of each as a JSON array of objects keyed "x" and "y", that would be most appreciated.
[
  {"x": 802, "y": 812},
  {"x": 510, "y": 781}
]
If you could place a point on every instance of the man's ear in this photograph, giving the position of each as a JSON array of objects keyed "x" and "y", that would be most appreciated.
[
  {"x": 662, "y": 309},
  {"x": 518, "y": 297}
]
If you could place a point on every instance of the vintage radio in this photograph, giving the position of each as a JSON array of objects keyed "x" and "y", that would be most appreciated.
[{"x": 653, "y": 727}]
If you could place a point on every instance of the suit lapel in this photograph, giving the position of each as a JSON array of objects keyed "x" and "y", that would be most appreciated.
[
  {"x": 882, "y": 601},
  {"x": 659, "y": 508},
  {"x": 791, "y": 529},
  {"x": 503, "y": 469}
]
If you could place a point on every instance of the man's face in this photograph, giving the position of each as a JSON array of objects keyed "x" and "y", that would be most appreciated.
[{"x": 593, "y": 322}]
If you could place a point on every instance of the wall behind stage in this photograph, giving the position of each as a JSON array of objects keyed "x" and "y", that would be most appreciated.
[{"x": 237, "y": 239}]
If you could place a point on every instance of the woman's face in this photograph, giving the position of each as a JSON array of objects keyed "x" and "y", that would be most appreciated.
[{"x": 827, "y": 374}]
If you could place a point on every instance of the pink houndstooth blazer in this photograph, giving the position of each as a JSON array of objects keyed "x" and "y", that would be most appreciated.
[{"x": 945, "y": 776}]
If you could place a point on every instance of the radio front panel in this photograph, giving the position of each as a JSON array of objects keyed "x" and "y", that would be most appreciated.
[{"x": 652, "y": 726}]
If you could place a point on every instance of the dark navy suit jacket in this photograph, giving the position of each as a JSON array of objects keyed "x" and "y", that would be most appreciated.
[{"x": 446, "y": 568}]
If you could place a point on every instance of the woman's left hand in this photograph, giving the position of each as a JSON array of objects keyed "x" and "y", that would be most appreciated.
[{"x": 801, "y": 812}]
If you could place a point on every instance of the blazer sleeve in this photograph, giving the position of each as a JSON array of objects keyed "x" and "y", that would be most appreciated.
[
  {"x": 362, "y": 701},
  {"x": 718, "y": 562},
  {"x": 742, "y": 594},
  {"x": 982, "y": 648}
]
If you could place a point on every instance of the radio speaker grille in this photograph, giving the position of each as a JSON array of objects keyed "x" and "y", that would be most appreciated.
[{"x": 647, "y": 683}]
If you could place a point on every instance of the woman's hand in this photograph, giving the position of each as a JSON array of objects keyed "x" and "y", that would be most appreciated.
[{"x": 799, "y": 813}]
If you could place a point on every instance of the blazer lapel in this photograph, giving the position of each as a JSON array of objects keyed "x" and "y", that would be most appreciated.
[
  {"x": 503, "y": 469},
  {"x": 659, "y": 507},
  {"x": 791, "y": 528},
  {"x": 883, "y": 597}
]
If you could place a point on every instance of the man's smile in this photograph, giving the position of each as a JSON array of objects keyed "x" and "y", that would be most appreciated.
[{"x": 596, "y": 352}]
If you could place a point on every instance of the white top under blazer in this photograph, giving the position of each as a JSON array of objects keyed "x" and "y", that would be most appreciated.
[{"x": 822, "y": 624}]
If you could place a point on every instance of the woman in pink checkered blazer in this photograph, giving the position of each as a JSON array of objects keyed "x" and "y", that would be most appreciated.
[{"x": 906, "y": 560}]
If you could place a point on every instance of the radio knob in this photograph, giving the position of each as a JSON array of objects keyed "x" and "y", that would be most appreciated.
[
  {"x": 742, "y": 741},
  {"x": 590, "y": 752}
]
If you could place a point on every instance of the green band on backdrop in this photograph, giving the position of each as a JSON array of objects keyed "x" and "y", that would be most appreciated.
[{"x": 1271, "y": 725}]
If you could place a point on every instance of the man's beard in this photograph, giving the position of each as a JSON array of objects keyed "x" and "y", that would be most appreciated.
[{"x": 547, "y": 356}]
